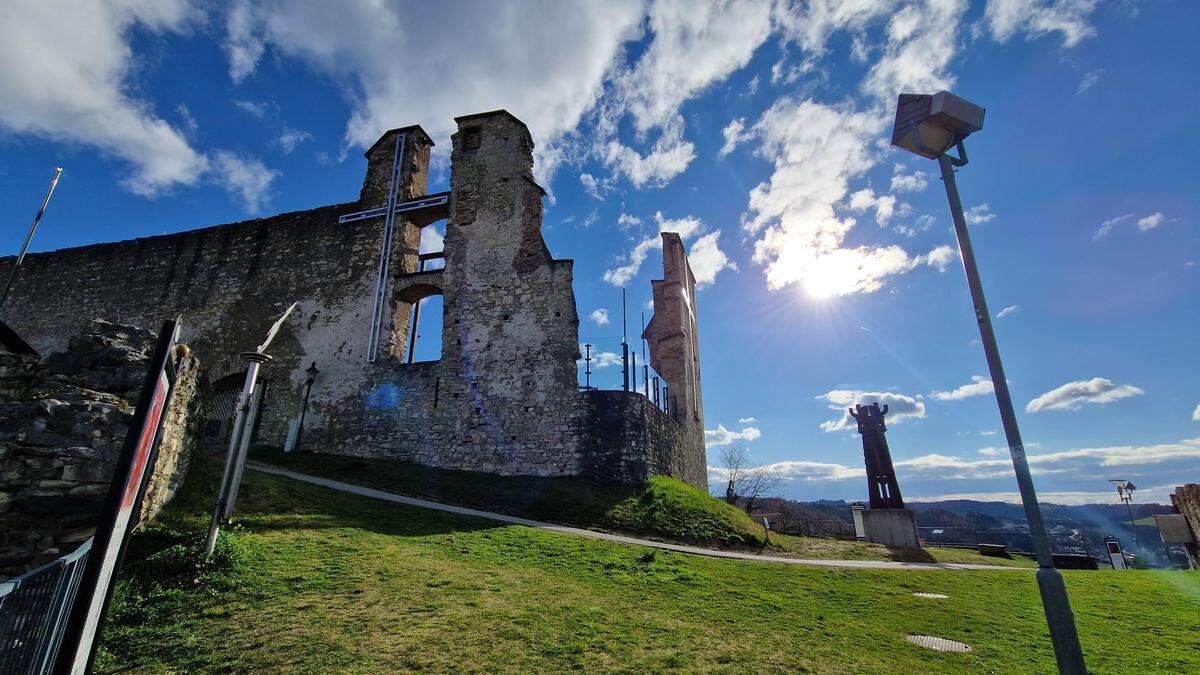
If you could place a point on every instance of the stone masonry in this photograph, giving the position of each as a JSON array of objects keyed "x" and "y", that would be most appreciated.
[
  {"x": 63, "y": 422},
  {"x": 503, "y": 397}
]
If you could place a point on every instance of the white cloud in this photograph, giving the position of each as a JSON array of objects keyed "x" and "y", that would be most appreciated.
[
  {"x": 65, "y": 76},
  {"x": 908, "y": 182},
  {"x": 1008, "y": 311},
  {"x": 1036, "y": 18},
  {"x": 921, "y": 42},
  {"x": 600, "y": 317},
  {"x": 360, "y": 43},
  {"x": 600, "y": 359},
  {"x": 626, "y": 221},
  {"x": 1158, "y": 494},
  {"x": 244, "y": 44},
  {"x": 900, "y": 407},
  {"x": 979, "y": 386},
  {"x": 734, "y": 134},
  {"x": 977, "y": 215},
  {"x": 1150, "y": 222},
  {"x": 1144, "y": 224},
  {"x": 431, "y": 240},
  {"x": 245, "y": 177},
  {"x": 668, "y": 158},
  {"x": 723, "y": 436},
  {"x": 816, "y": 149},
  {"x": 1109, "y": 224},
  {"x": 747, "y": 420},
  {"x": 1196, "y": 414},
  {"x": 1080, "y": 461},
  {"x": 884, "y": 205},
  {"x": 255, "y": 108},
  {"x": 290, "y": 138},
  {"x": 685, "y": 227},
  {"x": 595, "y": 187},
  {"x": 1074, "y": 395},
  {"x": 792, "y": 470},
  {"x": 707, "y": 259},
  {"x": 940, "y": 257},
  {"x": 1090, "y": 79},
  {"x": 694, "y": 45}
]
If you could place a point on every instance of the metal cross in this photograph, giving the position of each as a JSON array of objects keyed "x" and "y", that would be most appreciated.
[{"x": 433, "y": 204}]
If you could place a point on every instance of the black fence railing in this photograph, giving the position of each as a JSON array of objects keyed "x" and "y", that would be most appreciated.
[{"x": 33, "y": 611}]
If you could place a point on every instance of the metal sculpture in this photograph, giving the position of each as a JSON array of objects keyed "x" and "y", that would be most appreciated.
[{"x": 881, "y": 475}]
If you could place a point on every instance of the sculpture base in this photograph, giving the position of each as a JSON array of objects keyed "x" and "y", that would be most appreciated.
[{"x": 891, "y": 527}]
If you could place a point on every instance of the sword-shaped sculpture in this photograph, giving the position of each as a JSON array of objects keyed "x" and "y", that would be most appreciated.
[{"x": 881, "y": 475}]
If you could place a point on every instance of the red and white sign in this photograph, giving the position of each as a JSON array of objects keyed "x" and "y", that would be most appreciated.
[{"x": 125, "y": 513}]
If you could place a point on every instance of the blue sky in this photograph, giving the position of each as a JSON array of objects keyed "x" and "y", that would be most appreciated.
[{"x": 759, "y": 131}]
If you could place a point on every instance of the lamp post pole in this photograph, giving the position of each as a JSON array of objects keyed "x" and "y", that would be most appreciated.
[{"x": 1055, "y": 603}]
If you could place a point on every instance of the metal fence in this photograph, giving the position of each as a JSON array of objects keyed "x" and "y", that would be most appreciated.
[
  {"x": 33, "y": 611},
  {"x": 808, "y": 527}
]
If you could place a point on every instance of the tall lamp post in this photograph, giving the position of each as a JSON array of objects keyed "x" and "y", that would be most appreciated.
[
  {"x": 310, "y": 376},
  {"x": 1125, "y": 492},
  {"x": 930, "y": 125}
]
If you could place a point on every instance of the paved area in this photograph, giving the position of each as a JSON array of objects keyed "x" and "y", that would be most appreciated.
[{"x": 621, "y": 539}]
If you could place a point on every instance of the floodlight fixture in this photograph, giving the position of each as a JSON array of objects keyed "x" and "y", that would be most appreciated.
[
  {"x": 931, "y": 124},
  {"x": 1124, "y": 489}
]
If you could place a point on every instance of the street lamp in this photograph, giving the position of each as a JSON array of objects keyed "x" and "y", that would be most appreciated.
[
  {"x": 929, "y": 126},
  {"x": 310, "y": 376},
  {"x": 1125, "y": 492}
]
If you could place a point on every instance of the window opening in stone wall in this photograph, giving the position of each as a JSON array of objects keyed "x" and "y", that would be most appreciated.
[
  {"x": 425, "y": 330},
  {"x": 432, "y": 246}
]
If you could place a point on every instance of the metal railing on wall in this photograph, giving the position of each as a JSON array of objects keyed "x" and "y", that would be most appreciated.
[
  {"x": 608, "y": 363},
  {"x": 33, "y": 612}
]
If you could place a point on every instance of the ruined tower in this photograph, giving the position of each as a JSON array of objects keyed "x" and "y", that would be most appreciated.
[{"x": 673, "y": 338}]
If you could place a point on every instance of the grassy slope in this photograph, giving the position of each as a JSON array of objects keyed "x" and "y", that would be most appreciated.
[
  {"x": 328, "y": 581},
  {"x": 663, "y": 509}
]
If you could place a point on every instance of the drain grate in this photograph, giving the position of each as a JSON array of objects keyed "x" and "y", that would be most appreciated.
[
  {"x": 931, "y": 596},
  {"x": 939, "y": 644}
]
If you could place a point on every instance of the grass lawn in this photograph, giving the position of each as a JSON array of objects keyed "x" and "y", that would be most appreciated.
[
  {"x": 315, "y": 580},
  {"x": 663, "y": 509}
]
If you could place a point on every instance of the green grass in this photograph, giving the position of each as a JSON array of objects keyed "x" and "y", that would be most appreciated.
[
  {"x": 662, "y": 508},
  {"x": 313, "y": 580}
]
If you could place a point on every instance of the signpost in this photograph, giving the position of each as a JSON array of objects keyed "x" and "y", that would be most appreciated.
[{"x": 134, "y": 468}]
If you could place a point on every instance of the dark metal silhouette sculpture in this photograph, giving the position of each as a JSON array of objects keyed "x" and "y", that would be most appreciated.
[{"x": 881, "y": 475}]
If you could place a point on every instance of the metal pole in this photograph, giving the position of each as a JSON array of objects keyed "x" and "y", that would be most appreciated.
[
  {"x": 587, "y": 369},
  {"x": 633, "y": 371},
  {"x": 12, "y": 274},
  {"x": 231, "y": 457},
  {"x": 624, "y": 366},
  {"x": 1055, "y": 604}
]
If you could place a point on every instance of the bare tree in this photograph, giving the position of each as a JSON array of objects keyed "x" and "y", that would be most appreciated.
[{"x": 746, "y": 484}]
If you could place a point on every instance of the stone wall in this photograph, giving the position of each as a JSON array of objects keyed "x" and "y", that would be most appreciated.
[
  {"x": 63, "y": 423},
  {"x": 503, "y": 398},
  {"x": 628, "y": 438}
]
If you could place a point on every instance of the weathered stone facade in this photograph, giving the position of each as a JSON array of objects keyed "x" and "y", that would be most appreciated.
[
  {"x": 503, "y": 398},
  {"x": 63, "y": 422}
]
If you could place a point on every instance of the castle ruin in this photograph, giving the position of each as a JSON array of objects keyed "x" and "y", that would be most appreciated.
[{"x": 503, "y": 398}]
